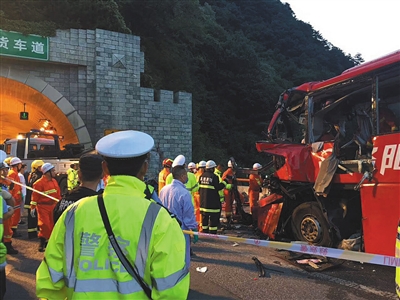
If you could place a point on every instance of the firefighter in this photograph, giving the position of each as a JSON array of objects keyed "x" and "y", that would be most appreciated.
[
  {"x": 8, "y": 233},
  {"x": 210, "y": 204},
  {"x": 16, "y": 192},
  {"x": 229, "y": 177},
  {"x": 196, "y": 196},
  {"x": 72, "y": 177},
  {"x": 43, "y": 205},
  {"x": 162, "y": 176},
  {"x": 255, "y": 187},
  {"x": 79, "y": 257},
  {"x": 397, "y": 280},
  {"x": 35, "y": 175},
  {"x": 192, "y": 167}
]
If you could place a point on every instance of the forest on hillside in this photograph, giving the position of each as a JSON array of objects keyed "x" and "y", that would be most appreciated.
[{"x": 235, "y": 56}]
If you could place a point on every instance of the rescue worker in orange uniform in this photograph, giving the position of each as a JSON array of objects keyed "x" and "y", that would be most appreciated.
[
  {"x": 200, "y": 170},
  {"x": 255, "y": 186},
  {"x": 8, "y": 233},
  {"x": 16, "y": 192},
  {"x": 162, "y": 176},
  {"x": 44, "y": 205},
  {"x": 228, "y": 177}
]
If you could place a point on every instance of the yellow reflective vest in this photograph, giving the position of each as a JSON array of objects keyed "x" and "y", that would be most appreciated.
[
  {"x": 72, "y": 178},
  {"x": 80, "y": 263},
  {"x": 398, "y": 255}
]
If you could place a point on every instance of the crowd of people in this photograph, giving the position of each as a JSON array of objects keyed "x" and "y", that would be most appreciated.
[{"x": 113, "y": 233}]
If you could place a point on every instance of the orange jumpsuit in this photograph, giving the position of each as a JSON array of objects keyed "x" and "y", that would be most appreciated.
[
  {"x": 44, "y": 205},
  {"x": 228, "y": 194},
  {"x": 196, "y": 196},
  {"x": 16, "y": 192},
  {"x": 161, "y": 178},
  {"x": 255, "y": 184}
]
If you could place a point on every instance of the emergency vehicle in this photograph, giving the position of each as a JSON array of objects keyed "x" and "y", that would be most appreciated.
[
  {"x": 335, "y": 146},
  {"x": 37, "y": 144}
]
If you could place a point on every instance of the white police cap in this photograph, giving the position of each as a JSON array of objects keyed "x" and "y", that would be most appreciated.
[
  {"x": 179, "y": 161},
  {"x": 125, "y": 144}
]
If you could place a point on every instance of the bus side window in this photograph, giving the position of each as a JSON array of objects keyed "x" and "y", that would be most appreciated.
[{"x": 387, "y": 119}]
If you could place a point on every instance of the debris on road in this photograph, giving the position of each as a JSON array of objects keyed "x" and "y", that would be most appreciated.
[
  {"x": 201, "y": 269},
  {"x": 235, "y": 244}
]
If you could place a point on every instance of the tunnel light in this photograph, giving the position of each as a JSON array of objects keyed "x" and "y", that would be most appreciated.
[{"x": 20, "y": 136}]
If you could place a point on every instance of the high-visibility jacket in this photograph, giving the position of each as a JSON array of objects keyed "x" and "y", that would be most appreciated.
[
  {"x": 45, "y": 206},
  {"x": 398, "y": 255},
  {"x": 162, "y": 176},
  {"x": 16, "y": 192},
  {"x": 228, "y": 186},
  {"x": 255, "y": 184},
  {"x": 72, "y": 178},
  {"x": 209, "y": 192},
  {"x": 80, "y": 263},
  {"x": 228, "y": 176},
  {"x": 3, "y": 249},
  {"x": 191, "y": 185}
]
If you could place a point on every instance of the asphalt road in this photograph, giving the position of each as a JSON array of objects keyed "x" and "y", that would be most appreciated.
[{"x": 232, "y": 274}]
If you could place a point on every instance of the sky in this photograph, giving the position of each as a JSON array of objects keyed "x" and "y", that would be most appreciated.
[{"x": 369, "y": 27}]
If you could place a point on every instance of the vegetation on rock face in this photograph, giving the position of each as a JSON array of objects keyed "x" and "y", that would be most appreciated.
[{"x": 234, "y": 56}]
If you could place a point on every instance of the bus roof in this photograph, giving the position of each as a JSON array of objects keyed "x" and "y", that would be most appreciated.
[{"x": 381, "y": 62}]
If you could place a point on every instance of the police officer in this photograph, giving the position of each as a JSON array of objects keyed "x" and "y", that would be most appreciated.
[{"x": 80, "y": 261}]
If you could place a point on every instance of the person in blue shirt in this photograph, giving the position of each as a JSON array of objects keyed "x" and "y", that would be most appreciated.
[{"x": 178, "y": 200}]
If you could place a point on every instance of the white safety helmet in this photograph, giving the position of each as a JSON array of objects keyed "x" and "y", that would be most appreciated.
[
  {"x": 47, "y": 167},
  {"x": 202, "y": 164},
  {"x": 232, "y": 165},
  {"x": 191, "y": 165},
  {"x": 15, "y": 161},
  {"x": 210, "y": 164},
  {"x": 257, "y": 166}
]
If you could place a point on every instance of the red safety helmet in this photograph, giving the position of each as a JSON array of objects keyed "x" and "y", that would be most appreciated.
[{"x": 167, "y": 162}]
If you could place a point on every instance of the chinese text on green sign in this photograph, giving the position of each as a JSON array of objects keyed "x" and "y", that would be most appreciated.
[{"x": 27, "y": 46}]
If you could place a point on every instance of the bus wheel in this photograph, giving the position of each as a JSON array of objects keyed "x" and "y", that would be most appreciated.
[{"x": 310, "y": 225}]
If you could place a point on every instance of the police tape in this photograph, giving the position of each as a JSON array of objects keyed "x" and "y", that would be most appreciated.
[
  {"x": 29, "y": 188},
  {"x": 376, "y": 259}
]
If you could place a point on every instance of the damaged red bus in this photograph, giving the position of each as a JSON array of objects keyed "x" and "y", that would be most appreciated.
[{"x": 335, "y": 147}]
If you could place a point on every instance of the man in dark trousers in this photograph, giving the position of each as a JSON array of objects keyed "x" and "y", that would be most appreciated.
[
  {"x": 35, "y": 175},
  {"x": 210, "y": 201},
  {"x": 89, "y": 173}
]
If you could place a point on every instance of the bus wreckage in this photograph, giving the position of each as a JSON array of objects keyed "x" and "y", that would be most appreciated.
[{"x": 336, "y": 153}]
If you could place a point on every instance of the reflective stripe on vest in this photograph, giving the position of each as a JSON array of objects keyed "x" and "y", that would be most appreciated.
[
  {"x": 203, "y": 186},
  {"x": 193, "y": 187},
  {"x": 210, "y": 210},
  {"x": 110, "y": 284}
]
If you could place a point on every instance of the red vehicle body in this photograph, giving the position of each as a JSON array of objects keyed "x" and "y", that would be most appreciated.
[{"x": 336, "y": 149}]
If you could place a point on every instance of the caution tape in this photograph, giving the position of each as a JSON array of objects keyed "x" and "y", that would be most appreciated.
[
  {"x": 29, "y": 188},
  {"x": 375, "y": 259}
]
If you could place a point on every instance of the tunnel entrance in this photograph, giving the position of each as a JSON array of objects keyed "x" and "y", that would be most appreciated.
[{"x": 44, "y": 113}]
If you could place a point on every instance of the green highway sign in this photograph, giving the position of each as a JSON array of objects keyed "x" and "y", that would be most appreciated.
[
  {"x": 23, "y": 115},
  {"x": 26, "y": 46}
]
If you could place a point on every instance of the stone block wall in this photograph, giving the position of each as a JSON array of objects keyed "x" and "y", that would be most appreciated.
[{"x": 98, "y": 73}]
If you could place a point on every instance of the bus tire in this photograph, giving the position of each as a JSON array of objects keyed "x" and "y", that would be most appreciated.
[{"x": 309, "y": 225}]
